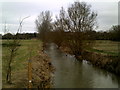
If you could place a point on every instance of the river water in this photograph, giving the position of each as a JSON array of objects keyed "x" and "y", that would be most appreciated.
[{"x": 71, "y": 73}]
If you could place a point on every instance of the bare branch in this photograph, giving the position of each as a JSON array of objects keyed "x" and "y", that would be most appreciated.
[{"x": 20, "y": 24}]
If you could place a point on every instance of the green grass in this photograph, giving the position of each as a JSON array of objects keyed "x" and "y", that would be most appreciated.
[
  {"x": 106, "y": 47},
  {"x": 28, "y": 48}
]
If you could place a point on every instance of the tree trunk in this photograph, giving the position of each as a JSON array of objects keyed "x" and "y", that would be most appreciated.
[{"x": 8, "y": 78}]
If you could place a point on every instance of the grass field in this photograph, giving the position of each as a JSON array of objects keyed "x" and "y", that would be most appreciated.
[
  {"x": 106, "y": 47},
  {"x": 31, "y": 48},
  {"x": 27, "y": 49}
]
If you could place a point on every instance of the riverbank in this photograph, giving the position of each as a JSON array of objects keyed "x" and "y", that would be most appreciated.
[
  {"x": 41, "y": 66},
  {"x": 109, "y": 62},
  {"x": 70, "y": 73},
  {"x": 42, "y": 70}
]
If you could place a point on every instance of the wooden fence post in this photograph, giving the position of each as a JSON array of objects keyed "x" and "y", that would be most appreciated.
[{"x": 29, "y": 74}]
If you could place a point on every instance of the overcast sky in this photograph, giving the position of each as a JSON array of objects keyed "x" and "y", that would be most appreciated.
[{"x": 13, "y": 11}]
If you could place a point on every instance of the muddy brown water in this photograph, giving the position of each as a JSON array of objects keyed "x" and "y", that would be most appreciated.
[{"x": 71, "y": 73}]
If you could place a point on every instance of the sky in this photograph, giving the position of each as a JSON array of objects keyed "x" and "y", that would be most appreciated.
[{"x": 12, "y": 11}]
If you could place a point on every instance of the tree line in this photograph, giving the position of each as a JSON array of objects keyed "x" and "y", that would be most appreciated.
[
  {"x": 20, "y": 36},
  {"x": 98, "y": 35},
  {"x": 74, "y": 28}
]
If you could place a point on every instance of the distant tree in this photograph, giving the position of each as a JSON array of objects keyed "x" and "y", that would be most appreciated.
[
  {"x": 114, "y": 33},
  {"x": 20, "y": 36},
  {"x": 43, "y": 24},
  {"x": 102, "y": 35},
  {"x": 7, "y": 36},
  {"x": 0, "y": 36}
]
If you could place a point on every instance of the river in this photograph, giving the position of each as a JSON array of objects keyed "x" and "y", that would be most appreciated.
[{"x": 71, "y": 73}]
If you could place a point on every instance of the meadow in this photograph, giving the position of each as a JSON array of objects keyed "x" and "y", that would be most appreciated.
[
  {"x": 106, "y": 47},
  {"x": 26, "y": 50}
]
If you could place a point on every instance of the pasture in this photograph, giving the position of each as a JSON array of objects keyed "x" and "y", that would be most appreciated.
[
  {"x": 106, "y": 47},
  {"x": 26, "y": 50}
]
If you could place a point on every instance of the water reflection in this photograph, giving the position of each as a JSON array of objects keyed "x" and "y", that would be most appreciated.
[{"x": 71, "y": 73}]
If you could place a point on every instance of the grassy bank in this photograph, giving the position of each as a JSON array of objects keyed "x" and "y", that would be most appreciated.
[
  {"x": 104, "y": 47},
  {"x": 28, "y": 49},
  {"x": 103, "y": 54}
]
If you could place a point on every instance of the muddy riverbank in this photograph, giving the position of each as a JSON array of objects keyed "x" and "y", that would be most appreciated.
[{"x": 107, "y": 62}]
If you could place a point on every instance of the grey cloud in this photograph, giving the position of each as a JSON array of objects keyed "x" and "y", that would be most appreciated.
[{"x": 12, "y": 11}]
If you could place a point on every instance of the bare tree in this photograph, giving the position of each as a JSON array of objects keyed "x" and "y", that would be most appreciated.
[
  {"x": 81, "y": 21},
  {"x": 61, "y": 21},
  {"x": 75, "y": 27},
  {"x": 60, "y": 27},
  {"x": 13, "y": 47},
  {"x": 43, "y": 24}
]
